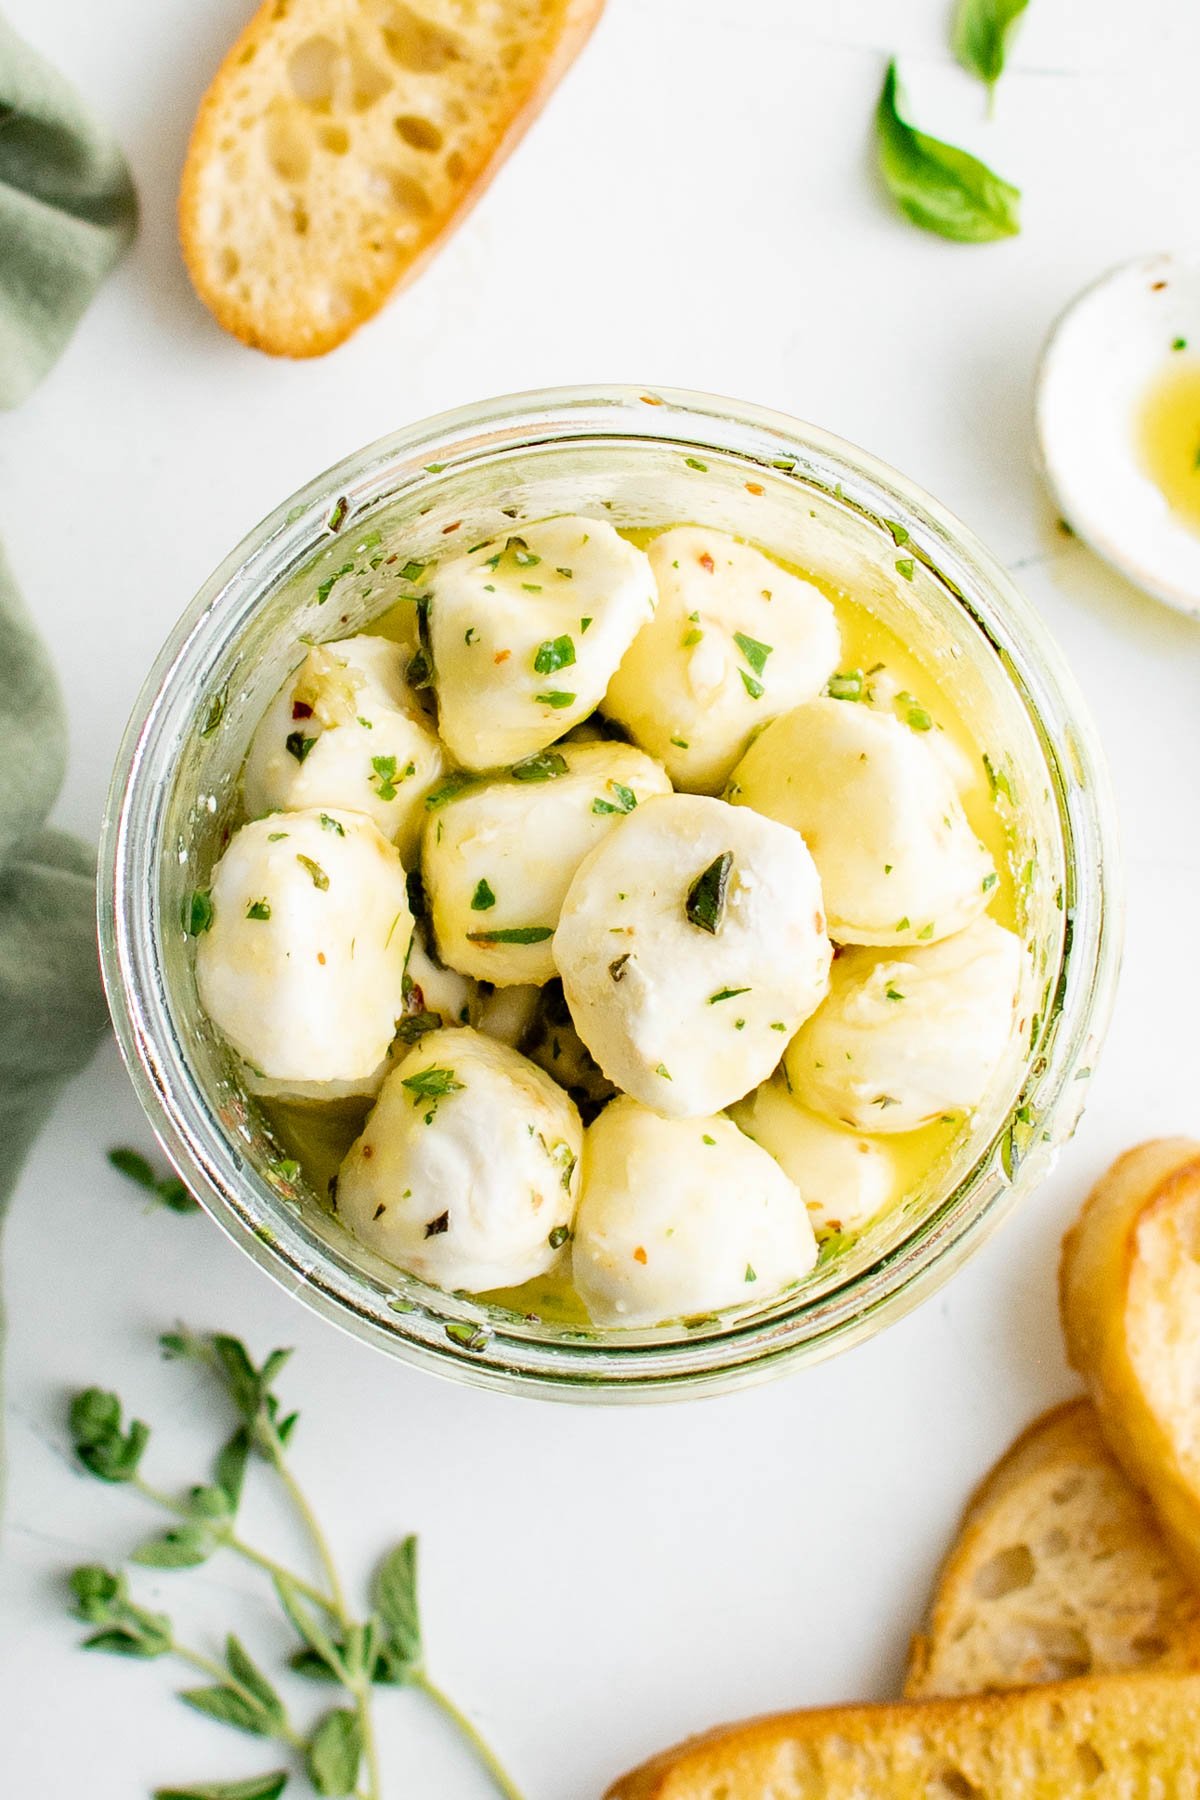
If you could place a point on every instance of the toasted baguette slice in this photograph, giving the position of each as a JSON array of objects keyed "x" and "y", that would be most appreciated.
[
  {"x": 341, "y": 142},
  {"x": 1130, "y": 1296},
  {"x": 1112, "y": 1737},
  {"x": 1060, "y": 1569}
]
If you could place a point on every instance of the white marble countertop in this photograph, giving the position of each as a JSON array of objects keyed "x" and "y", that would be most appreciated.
[{"x": 697, "y": 207}]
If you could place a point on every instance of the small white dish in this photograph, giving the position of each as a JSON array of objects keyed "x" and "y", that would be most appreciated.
[{"x": 1099, "y": 361}]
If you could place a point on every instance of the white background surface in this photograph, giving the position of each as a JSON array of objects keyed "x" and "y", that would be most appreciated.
[{"x": 697, "y": 207}]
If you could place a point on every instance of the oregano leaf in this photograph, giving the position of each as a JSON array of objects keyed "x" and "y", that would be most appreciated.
[
  {"x": 334, "y": 1752},
  {"x": 396, "y": 1601},
  {"x": 255, "y": 1787},
  {"x": 228, "y": 1708}
]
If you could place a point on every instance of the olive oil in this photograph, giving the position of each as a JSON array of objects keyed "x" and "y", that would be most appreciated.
[
  {"x": 1168, "y": 436},
  {"x": 875, "y": 666}
]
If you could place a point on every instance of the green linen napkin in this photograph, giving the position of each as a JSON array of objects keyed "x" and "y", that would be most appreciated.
[
  {"x": 52, "y": 1011},
  {"x": 67, "y": 213}
]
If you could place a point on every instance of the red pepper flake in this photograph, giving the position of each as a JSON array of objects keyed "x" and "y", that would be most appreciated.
[
  {"x": 301, "y": 710},
  {"x": 321, "y": 957},
  {"x": 650, "y": 399},
  {"x": 1156, "y": 287},
  {"x": 706, "y": 562},
  {"x": 447, "y": 529},
  {"x": 501, "y": 656},
  {"x": 753, "y": 487},
  {"x": 639, "y": 1255},
  {"x": 388, "y": 560},
  {"x": 368, "y": 1152}
]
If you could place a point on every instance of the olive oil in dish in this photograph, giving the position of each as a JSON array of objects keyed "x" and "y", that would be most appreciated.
[{"x": 1168, "y": 434}]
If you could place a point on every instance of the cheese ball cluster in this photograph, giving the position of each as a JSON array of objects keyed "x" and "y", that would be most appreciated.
[{"x": 644, "y": 935}]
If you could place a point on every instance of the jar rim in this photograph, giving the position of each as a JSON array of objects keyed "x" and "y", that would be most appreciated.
[{"x": 576, "y": 1365}]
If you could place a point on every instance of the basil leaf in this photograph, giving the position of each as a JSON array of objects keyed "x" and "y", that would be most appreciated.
[
  {"x": 334, "y": 1752},
  {"x": 936, "y": 186},
  {"x": 980, "y": 35},
  {"x": 545, "y": 766},
  {"x": 705, "y": 905},
  {"x": 256, "y": 1787}
]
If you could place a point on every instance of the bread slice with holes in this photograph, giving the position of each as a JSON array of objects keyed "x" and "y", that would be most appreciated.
[
  {"x": 343, "y": 140},
  {"x": 1111, "y": 1737},
  {"x": 1130, "y": 1297},
  {"x": 1060, "y": 1568}
]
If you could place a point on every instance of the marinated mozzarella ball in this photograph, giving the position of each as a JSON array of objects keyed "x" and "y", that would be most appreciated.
[
  {"x": 466, "y": 1173},
  {"x": 499, "y": 858},
  {"x": 679, "y": 1217},
  {"x": 347, "y": 730},
  {"x": 692, "y": 944},
  {"x": 898, "y": 860},
  {"x": 735, "y": 640},
  {"x": 526, "y": 632},
  {"x": 844, "y": 1178},
  {"x": 302, "y": 967},
  {"x": 907, "y": 1036}
]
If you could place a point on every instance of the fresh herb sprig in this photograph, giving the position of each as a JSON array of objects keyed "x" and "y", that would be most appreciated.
[
  {"x": 168, "y": 1190},
  {"x": 338, "y": 1752},
  {"x": 981, "y": 32}
]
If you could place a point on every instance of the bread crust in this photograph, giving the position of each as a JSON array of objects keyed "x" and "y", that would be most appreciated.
[
  {"x": 1127, "y": 1290},
  {"x": 1103, "y": 1738},
  {"x": 1012, "y": 1608},
  {"x": 253, "y": 325}
]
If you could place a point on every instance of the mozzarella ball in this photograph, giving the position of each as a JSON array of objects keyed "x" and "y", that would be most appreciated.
[
  {"x": 907, "y": 1036},
  {"x": 898, "y": 859},
  {"x": 506, "y": 1014},
  {"x": 692, "y": 944},
  {"x": 498, "y": 859},
  {"x": 735, "y": 640},
  {"x": 346, "y": 730},
  {"x": 682, "y": 1216},
  {"x": 845, "y": 1179},
  {"x": 302, "y": 967},
  {"x": 526, "y": 632},
  {"x": 466, "y": 1173}
]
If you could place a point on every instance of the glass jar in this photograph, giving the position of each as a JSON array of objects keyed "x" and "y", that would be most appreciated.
[{"x": 642, "y": 459}]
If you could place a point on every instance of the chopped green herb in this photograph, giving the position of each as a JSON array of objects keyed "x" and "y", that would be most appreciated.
[
  {"x": 259, "y": 909},
  {"x": 989, "y": 881},
  {"x": 554, "y": 653},
  {"x": 625, "y": 802},
  {"x": 326, "y": 587},
  {"x": 750, "y": 1275},
  {"x": 336, "y": 517},
  {"x": 413, "y": 571},
  {"x": 1178, "y": 344},
  {"x": 664, "y": 1072},
  {"x": 319, "y": 878},
  {"x": 545, "y": 766},
  {"x": 998, "y": 781},
  {"x": 584, "y": 623},
  {"x": 778, "y": 1025},
  {"x": 754, "y": 688},
  {"x": 693, "y": 462},
  {"x": 414, "y": 1026},
  {"x": 522, "y": 555},
  {"x": 384, "y": 773},
  {"x": 903, "y": 924},
  {"x": 431, "y": 1084},
  {"x": 726, "y": 994},
  {"x": 450, "y": 789},
  {"x": 297, "y": 745},
  {"x": 755, "y": 653},
  {"x": 197, "y": 912},
  {"x": 892, "y": 994},
  {"x": 904, "y": 566},
  {"x": 215, "y": 713},
  {"x": 470, "y": 635},
  {"x": 555, "y": 698},
  {"x": 705, "y": 904},
  {"x": 274, "y": 837},
  {"x": 848, "y": 686},
  {"x": 483, "y": 898},
  {"x": 919, "y": 719},
  {"x": 692, "y": 638},
  {"x": 705, "y": 1139},
  {"x": 515, "y": 934},
  {"x": 434, "y": 468},
  {"x": 559, "y": 1236},
  {"x": 925, "y": 933},
  {"x": 567, "y": 574},
  {"x": 899, "y": 532},
  {"x": 331, "y": 824},
  {"x": 468, "y": 1336},
  {"x": 532, "y": 587}
]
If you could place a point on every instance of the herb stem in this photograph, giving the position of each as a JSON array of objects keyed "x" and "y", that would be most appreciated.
[
  {"x": 370, "y": 1749},
  {"x": 241, "y": 1548},
  {"x": 483, "y": 1751},
  {"x": 335, "y": 1602}
]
